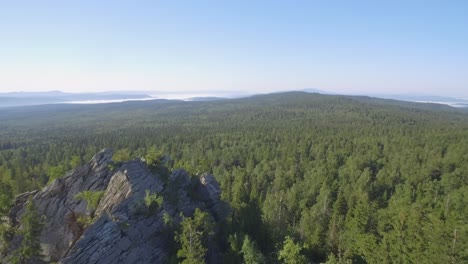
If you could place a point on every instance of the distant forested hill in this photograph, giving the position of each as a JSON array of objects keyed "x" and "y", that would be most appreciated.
[{"x": 331, "y": 178}]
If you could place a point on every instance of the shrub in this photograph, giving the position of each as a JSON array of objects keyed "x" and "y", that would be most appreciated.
[
  {"x": 92, "y": 198},
  {"x": 152, "y": 200}
]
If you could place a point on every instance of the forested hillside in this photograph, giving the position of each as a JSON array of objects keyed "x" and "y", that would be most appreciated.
[{"x": 309, "y": 177}]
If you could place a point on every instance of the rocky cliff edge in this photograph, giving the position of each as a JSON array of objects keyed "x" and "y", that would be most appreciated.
[{"x": 120, "y": 227}]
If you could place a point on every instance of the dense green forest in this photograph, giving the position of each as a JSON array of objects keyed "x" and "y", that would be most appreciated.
[{"x": 309, "y": 177}]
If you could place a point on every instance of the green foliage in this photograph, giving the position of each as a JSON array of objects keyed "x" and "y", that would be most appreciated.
[
  {"x": 75, "y": 161},
  {"x": 31, "y": 226},
  {"x": 6, "y": 235},
  {"x": 291, "y": 252},
  {"x": 234, "y": 254},
  {"x": 85, "y": 220},
  {"x": 92, "y": 198},
  {"x": 152, "y": 200},
  {"x": 251, "y": 253},
  {"x": 111, "y": 166},
  {"x": 122, "y": 155},
  {"x": 332, "y": 259},
  {"x": 153, "y": 157},
  {"x": 167, "y": 219},
  {"x": 193, "y": 237},
  {"x": 6, "y": 199},
  {"x": 56, "y": 172}
]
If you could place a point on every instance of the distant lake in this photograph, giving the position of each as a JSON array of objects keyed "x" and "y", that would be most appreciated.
[
  {"x": 453, "y": 104},
  {"x": 107, "y": 101},
  {"x": 189, "y": 96},
  {"x": 168, "y": 96}
]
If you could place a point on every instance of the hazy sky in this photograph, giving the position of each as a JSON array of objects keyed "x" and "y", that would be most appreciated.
[{"x": 341, "y": 46}]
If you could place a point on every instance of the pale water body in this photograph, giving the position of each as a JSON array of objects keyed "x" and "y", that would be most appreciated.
[
  {"x": 108, "y": 101},
  {"x": 169, "y": 96},
  {"x": 452, "y": 104},
  {"x": 189, "y": 96}
]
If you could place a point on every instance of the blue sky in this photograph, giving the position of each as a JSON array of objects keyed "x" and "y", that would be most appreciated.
[{"x": 255, "y": 46}]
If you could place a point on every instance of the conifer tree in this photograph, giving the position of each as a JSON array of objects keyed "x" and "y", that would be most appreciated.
[
  {"x": 251, "y": 253},
  {"x": 291, "y": 252},
  {"x": 31, "y": 226},
  {"x": 193, "y": 237}
]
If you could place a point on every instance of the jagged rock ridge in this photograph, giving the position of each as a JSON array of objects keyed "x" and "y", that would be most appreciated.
[{"x": 123, "y": 229}]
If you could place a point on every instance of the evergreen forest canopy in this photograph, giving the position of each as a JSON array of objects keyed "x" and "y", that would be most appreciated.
[{"x": 309, "y": 177}]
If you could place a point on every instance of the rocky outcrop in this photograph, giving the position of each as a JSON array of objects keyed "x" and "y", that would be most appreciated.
[{"x": 122, "y": 228}]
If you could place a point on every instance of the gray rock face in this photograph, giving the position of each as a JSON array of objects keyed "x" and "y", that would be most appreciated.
[{"x": 124, "y": 229}]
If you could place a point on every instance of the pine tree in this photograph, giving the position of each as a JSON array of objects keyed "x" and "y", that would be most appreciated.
[
  {"x": 291, "y": 252},
  {"x": 6, "y": 197},
  {"x": 31, "y": 224},
  {"x": 251, "y": 253},
  {"x": 193, "y": 237}
]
